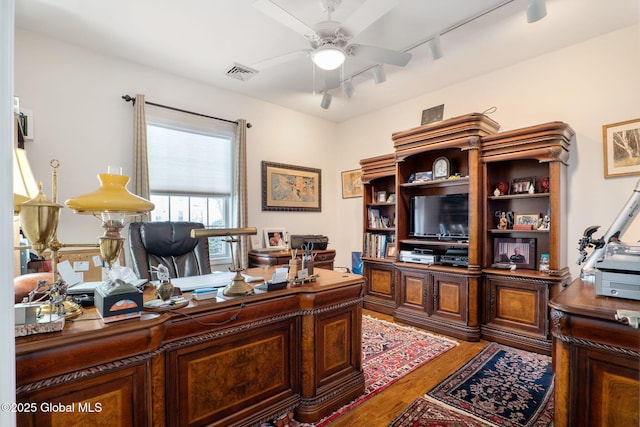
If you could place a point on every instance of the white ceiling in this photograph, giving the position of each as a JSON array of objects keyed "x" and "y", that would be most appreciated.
[{"x": 202, "y": 39}]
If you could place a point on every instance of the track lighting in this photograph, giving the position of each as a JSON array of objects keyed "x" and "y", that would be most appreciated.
[
  {"x": 536, "y": 10},
  {"x": 378, "y": 74},
  {"x": 435, "y": 47},
  {"x": 347, "y": 88},
  {"x": 326, "y": 101}
]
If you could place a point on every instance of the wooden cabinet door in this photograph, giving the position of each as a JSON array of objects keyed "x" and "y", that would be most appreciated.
[
  {"x": 450, "y": 299},
  {"x": 120, "y": 396},
  {"x": 380, "y": 287},
  {"x": 414, "y": 291}
]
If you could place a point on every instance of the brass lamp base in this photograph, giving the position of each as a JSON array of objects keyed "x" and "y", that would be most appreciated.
[
  {"x": 71, "y": 309},
  {"x": 238, "y": 287}
]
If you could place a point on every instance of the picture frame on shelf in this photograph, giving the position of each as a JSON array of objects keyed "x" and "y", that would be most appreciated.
[
  {"x": 275, "y": 238},
  {"x": 392, "y": 251},
  {"x": 618, "y": 141},
  {"x": 290, "y": 188},
  {"x": 381, "y": 197},
  {"x": 526, "y": 221},
  {"x": 522, "y": 185},
  {"x": 352, "y": 183},
  {"x": 518, "y": 251}
]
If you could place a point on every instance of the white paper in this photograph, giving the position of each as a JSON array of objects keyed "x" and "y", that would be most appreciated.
[
  {"x": 280, "y": 275},
  {"x": 68, "y": 274}
]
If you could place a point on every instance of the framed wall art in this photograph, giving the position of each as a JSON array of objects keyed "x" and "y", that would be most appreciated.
[
  {"x": 290, "y": 188},
  {"x": 519, "y": 251},
  {"x": 621, "y": 145},
  {"x": 352, "y": 183}
]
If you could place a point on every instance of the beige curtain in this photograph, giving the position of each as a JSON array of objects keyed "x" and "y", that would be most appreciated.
[
  {"x": 240, "y": 189},
  {"x": 140, "y": 180}
]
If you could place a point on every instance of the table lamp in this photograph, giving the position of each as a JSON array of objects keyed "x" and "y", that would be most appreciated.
[
  {"x": 238, "y": 286},
  {"x": 112, "y": 203}
]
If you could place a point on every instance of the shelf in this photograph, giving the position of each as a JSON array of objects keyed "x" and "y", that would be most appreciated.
[
  {"x": 511, "y": 230},
  {"x": 438, "y": 182},
  {"x": 382, "y": 229},
  {"x": 519, "y": 196},
  {"x": 434, "y": 242},
  {"x": 378, "y": 204}
]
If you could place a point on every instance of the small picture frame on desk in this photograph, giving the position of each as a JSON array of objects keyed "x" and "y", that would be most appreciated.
[{"x": 275, "y": 238}]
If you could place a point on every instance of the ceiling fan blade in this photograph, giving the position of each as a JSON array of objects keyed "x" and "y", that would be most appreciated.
[
  {"x": 367, "y": 14},
  {"x": 379, "y": 55},
  {"x": 281, "y": 59},
  {"x": 277, "y": 13}
]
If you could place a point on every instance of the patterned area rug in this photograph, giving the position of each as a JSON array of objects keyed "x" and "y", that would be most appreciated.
[
  {"x": 389, "y": 352},
  {"x": 504, "y": 386},
  {"x": 424, "y": 412}
]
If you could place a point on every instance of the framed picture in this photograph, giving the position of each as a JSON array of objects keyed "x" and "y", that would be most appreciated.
[
  {"x": 392, "y": 251},
  {"x": 290, "y": 188},
  {"x": 352, "y": 183},
  {"x": 526, "y": 221},
  {"x": 381, "y": 197},
  {"x": 621, "y": 144},
  {"x": 275, "y": 238},
  {"x": 522, "y": 185},
  {"x": 519, "y": 251}
]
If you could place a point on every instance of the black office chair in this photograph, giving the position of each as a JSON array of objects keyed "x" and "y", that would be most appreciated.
[{"x": 170, "y": 244}]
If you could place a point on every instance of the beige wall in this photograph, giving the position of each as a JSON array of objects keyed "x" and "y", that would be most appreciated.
[{"x": 81, "y": 120}]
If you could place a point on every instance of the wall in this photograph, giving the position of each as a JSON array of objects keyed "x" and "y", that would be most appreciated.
[
  {"x": 587, "y": 85},
  {"x": 81, "y": 120}
]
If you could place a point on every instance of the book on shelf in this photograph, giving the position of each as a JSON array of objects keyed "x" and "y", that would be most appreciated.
[{"x": 375, "y": 245}]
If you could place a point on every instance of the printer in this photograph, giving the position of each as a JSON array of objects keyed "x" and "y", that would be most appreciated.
[{"x": 617, "y": 274}]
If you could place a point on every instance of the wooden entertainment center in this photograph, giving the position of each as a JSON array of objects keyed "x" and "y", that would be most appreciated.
[
  {"x": 230, "y": 362},
  {"x": 454, "y": 286}
]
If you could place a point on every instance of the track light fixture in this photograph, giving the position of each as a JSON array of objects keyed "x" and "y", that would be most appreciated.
[
  {"x": 435, "y": 47},
  {"x": 378, "y": 74},
  {"x": 347, "y": 88},
  {"x": 326, "y": 101},
  {"x": 536, "y": 10}
]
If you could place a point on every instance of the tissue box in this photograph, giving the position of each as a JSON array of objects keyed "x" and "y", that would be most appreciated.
[{"x": 120, "y": 306}]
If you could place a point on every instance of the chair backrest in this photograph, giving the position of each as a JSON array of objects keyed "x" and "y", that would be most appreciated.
[{"x": 170, "y": 244}]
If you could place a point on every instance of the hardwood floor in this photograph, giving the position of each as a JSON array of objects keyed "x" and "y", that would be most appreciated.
[{"x": 381, "y": 409}]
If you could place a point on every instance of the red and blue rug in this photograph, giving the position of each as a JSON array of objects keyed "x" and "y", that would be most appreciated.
[
  {"x": 502, "y": 386},
  {"x": 389, "y": 352}
]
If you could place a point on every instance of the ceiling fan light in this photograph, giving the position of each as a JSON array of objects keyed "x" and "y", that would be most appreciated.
[
  {"x": 536, "y": 10},
  {"x": 378, "y": 74},
  {"x": 326, "y": 101},
  {"x": 328, "y": 57},
  {"x": 347, "y": 88}
]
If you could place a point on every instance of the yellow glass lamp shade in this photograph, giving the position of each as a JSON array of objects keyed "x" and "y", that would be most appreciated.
[{"x": 112, "y": 196}]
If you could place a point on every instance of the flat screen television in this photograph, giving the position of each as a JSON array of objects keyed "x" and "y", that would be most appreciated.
[{"x": 444, "y": 217}]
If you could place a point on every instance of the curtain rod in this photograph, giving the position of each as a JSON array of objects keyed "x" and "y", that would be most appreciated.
[{"x": 131, "y": 99}]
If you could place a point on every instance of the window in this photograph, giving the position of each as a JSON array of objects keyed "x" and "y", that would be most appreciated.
[{"x": 190, "y": 174}]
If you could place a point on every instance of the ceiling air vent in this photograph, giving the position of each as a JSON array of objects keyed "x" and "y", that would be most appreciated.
[{"x": 241, "y": 72}]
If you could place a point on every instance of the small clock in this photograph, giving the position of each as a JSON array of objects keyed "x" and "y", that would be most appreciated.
[{"x": 441, "y": 168}]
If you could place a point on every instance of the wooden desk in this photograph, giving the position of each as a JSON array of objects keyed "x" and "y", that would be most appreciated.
[
  {"x": 596, "y": 359},
  {"x": 323, "y": 258},
  {"x": 231, "y": 362}
]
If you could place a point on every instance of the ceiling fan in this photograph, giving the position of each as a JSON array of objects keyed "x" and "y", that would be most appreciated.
[{"x": 329, "y": 39}]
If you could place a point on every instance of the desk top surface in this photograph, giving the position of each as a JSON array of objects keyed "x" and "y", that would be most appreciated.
[
  {"x": 579, "y": 298},
  {"x": 90, "y": 320}
]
